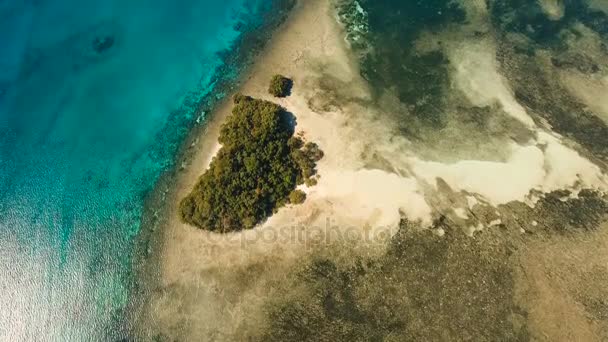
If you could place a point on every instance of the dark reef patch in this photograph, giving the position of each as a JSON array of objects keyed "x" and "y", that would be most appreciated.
[
  {"x": 427, "y": 287},
  {"x": 392, "y": 27},
  {"x": 563, "y": 214},
  {"x": 102, "y": 44},
  {"x": 424, "y": 288},
  {"x": 579, "y": 62},
  {"x": 405, "y": 52},
  {"x": 538, "y": 88},
  {"x": 558, "y": 212},
  {"x": 533, "y": 49},
  {"x": 528, "y": 18}
]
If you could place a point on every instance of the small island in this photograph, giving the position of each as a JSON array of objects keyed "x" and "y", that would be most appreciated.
[{"x": 255, "y": 172}]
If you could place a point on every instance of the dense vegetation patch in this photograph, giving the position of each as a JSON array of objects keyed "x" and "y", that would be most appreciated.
[
  {"x": 280, "y": 86},
  {"x": 297, "y": 197},
  {"x": 253, "y": 174}
]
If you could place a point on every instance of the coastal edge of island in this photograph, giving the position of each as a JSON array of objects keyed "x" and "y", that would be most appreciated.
[{"x": 276, "y": 44}]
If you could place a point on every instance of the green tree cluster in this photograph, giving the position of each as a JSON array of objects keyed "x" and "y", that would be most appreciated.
[
  {"x": 254, "y": 173},
  {"x": 297, "y": 197},
  {"x": 280, "y": 86}
]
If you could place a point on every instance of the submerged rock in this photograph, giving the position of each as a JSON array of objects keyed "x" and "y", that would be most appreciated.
[{"x": 102, "y": 44}]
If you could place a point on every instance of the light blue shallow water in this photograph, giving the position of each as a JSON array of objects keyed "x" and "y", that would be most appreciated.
[{"x": 95, "y": 97}]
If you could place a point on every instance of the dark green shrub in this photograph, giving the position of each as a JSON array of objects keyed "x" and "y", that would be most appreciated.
[
  {"x": 280, "y": 86},
  {"x": 313, "y": 152},
  {"x": 297, "y": 197},
  {"x": 254, "y": 173},
  {"x": 311, "y": 182}
]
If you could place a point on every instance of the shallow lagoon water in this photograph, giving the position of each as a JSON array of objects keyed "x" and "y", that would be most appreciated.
[{"x": 95, "y": 98}]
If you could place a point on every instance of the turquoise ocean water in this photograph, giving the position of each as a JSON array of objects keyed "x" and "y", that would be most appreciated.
[{"x": 95, "y": 98}]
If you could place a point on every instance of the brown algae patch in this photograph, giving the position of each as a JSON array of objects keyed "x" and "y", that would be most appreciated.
[{"x": 425, "y": 287}]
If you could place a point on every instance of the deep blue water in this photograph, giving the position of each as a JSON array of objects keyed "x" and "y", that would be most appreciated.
[{"x": 95, "y": 97}]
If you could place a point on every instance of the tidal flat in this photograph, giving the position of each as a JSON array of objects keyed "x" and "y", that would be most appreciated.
[{"x": 462, "y": 193}]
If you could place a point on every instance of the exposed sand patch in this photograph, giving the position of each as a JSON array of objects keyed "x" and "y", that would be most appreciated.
[
  {"x": 460, "y": 212},
  {"x": 366, "y": 197},
  {"x": 477, "y": 75},
  {"x": 351, "y": 192},
  {"x": 600, "y": 5},
  {"x": 554, "y": 9},
  {"x": 477, "y": 10},
  {"x": 544, "y": 164},
  {"x": 590, "y": 90},
  {"x": 562, "y": 290},
  {"x": 497, "y": 182}
]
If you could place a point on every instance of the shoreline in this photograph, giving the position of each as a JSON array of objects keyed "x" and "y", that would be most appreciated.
[
  {"x": 308, "y": 46},
  {"x": 198, "y": 148}
]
